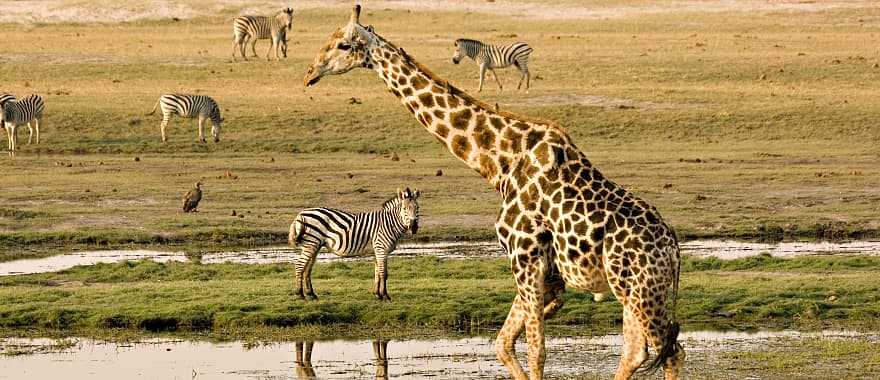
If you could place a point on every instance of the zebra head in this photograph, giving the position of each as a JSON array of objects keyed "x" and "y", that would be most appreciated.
[
  {"x": 409, "y": 208},
  {"x": 463, "y": 48},
  {"x": 347, "y": 49},
  {"x": 285, "y": 18}
]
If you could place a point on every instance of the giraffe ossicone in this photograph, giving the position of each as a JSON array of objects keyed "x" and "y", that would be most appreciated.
[{"x": 562, "y": 223}]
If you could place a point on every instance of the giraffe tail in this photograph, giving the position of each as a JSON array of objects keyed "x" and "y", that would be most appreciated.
[{"x": 669, "y": 347}]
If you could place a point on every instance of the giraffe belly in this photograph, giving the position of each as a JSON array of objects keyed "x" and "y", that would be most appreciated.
[{"x": 580, "y": 275}]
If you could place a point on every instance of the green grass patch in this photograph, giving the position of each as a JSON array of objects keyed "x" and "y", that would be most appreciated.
[{"x": 431, "y": 293}]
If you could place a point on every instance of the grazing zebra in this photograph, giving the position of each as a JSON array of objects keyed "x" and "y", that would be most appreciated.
[
  {"x": 253, "y": 28},
  {"x": 189, "y": 106},
  {"x": 28, "y": 110},
  {"x": 347, "y": 234},
  {"x": 491, "y": 57}
]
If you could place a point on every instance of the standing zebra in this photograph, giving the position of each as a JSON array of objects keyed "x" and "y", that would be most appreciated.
[
  {"x": 491, "y": 57},
  {"x": 347, "y": 234},
  {"x": 189, "y": 106},
  {"x": 28, "y": 110},
  {"x": 253, "y": 28},
  {"x": 5, "y": 97}
]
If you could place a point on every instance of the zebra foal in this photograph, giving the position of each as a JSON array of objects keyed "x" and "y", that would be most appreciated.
[
  {"x": 189, "y": 106},
  {"x": 252, "y": 28},
  {"x": 348, "y": 234},
  {"x": 28, "y": 110},
  {"x": 491, "y": 57}
]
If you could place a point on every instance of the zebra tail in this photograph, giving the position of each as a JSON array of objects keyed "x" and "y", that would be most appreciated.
[
  {"x": 297, "y": 230},
  {"x": 154, "y": 107}
]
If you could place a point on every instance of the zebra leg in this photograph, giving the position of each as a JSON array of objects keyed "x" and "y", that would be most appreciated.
[
  {"x": 201, "y": 129},
  {"x": 309, "y": 291},
  {"x": 305, "y": 253},
  {"x": 494, "y": 74},
  {"x": 381, "y": 275},
  {"x": 30, "y": 133},
  {"x": 162, "y": 126},
  {"x": 243, "y": 47},
  {"x": 37, "y": 127},
  {"x": 482, "y": 75},
  {"x": 14, "y": 141},
  {"x": 254, "y": 47}
]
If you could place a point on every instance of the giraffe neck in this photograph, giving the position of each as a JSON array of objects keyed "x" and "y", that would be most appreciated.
[{"x": 472, "y": 132}]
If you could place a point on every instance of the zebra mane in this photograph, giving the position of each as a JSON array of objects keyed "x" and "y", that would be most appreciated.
[
  {"x": 390, "y": 202},
  {"x": 465, "y": 96}
]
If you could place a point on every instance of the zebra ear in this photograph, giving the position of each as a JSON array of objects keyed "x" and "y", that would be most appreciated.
[
  {"x": 370, "y": 28},
  {"x": 399, "y": 193},
  {"x": 418, "y": 193}
]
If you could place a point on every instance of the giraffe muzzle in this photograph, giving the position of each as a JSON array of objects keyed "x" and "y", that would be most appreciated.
[{"x": 312, "y": 77}]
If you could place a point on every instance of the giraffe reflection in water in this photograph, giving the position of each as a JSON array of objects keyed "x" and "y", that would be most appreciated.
[{"x": 305, "y": 371}]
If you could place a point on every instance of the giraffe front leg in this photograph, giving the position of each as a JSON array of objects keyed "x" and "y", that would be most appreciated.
[{"x": 554, "y": 287}]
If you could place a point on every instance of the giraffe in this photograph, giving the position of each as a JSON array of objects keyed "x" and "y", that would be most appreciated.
[{"x": 562, "y": 223}]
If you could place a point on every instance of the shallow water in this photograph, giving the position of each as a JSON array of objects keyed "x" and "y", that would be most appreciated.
[
  {"x": 464, "y": 358},
  {"x": 722, "y": 249}
]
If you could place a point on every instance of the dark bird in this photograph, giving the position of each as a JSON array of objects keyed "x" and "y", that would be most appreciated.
[{"x": 192, "y": 198}]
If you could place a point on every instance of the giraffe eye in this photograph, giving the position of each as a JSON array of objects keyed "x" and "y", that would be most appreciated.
[{"x": 343, "y": 46}]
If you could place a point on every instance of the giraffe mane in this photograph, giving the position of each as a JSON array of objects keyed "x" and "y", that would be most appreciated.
[{"x": 465, "y": 96}]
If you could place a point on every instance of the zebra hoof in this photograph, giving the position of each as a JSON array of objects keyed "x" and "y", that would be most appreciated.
[
  {"x": 311, "y": 297},
  {"x": 386, "y": 298}
]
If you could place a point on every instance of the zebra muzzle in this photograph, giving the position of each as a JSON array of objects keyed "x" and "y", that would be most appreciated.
[{"x": 414, "y": 227}]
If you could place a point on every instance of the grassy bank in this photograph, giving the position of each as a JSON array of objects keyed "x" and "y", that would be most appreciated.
[
  {"x": 428, "y": 293},
  {"x": 752, "y": 124}
]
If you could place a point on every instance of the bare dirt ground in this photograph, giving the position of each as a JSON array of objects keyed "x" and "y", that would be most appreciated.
[{"x": 37, "y": 11}]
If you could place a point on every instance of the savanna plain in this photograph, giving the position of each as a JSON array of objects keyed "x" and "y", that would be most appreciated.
[{"x": 750, "y": 121}]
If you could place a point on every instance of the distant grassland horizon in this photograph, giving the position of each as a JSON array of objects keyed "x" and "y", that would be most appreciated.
[{"x": 753, "y": 124}]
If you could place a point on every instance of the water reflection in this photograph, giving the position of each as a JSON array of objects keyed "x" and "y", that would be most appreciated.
[
  {"x": 722, "y": 249},
  {"x": 306, "y": 371}
]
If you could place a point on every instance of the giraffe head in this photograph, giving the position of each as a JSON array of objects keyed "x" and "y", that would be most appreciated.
[
  {"x": 408, "y": 211},
  {"x": 347, "y": 49},
  {"x": 285, "y": 16}
]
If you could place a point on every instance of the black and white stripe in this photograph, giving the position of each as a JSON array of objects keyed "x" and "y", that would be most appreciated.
[
  {"x": 491, "y": 57},
  {"x": 189, "y": 106},
  {"x": 348, "y": 234},
  {"x": 28, "y": 110},
  {"x": 252, "y": 28},
  {"x": 5, "y": 97}
]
